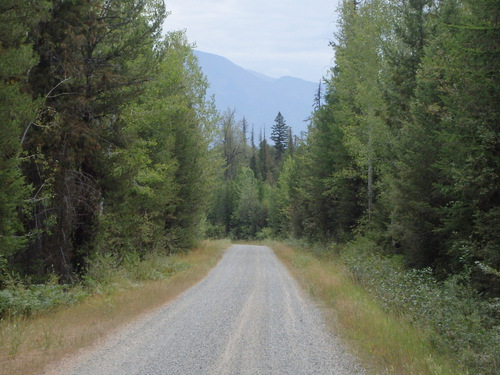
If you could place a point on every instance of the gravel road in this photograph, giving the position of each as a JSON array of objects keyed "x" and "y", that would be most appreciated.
[{"x": 247, "y": 316}]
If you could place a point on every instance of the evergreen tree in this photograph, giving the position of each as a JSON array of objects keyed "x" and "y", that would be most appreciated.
[
  {"x": 17, "y": 112},
  {"x": 94, "y": 57},
  {"x": 404, "y": 53},
  {"x": 467, "y": 60},
  {"x": 163, "y": 194},
  {"x": 290, "y": 142},
  {"x": 318, "y": 189},
  {"x": 232, "y": 143},
  {"x": 244, "y": 129},
  {"x": 279, "y": 136},
  {"x": 265, "y": 161},
  {"x": 336, "y": 184},
  {"x": 317, "y": 98},
  {"x": 414, "y": 195},
  {"x": 253, "y": 156}
]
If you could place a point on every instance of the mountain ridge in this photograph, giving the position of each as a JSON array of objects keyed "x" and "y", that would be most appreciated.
[{"x": 256, "y": 96}]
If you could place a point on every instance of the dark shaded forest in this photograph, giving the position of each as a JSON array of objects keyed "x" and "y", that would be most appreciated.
[
  {"x": 105, "y": 135},
  {"x": 110, "y": 148},
  {"x": 110, "y": 145}
]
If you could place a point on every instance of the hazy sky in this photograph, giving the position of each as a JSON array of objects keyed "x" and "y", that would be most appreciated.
[{"x": 273, "y": 37}]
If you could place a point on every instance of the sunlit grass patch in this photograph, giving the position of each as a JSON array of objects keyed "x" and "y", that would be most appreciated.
[{"x": 29, "y": 344}]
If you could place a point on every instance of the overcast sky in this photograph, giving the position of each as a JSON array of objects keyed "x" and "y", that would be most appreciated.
[{"x": 273, "y": 37}]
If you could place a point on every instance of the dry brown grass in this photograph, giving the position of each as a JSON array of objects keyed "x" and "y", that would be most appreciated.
[
  {"x": 29, "y": 345},
  {"x": 385, "y": 344}
]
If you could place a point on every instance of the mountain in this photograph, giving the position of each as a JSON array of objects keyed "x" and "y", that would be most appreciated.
[{"x": 257, "y": 97}]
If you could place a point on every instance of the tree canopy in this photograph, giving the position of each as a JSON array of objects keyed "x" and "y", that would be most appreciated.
[
  {"x": 109, "y": 144},
  {"x": 107, "y": 133}
]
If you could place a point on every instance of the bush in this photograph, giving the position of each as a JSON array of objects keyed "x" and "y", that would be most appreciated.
[
  {"x": 154, "y": 266},
  {"x": 28, "y": 299},
  {"x": 105, "y": 274},
  {"x": 463, "y": 322},
  {"x": 108, "y": 272},
  {"x": 215, "y": 231},
  {"x": 264, "y": 234}
]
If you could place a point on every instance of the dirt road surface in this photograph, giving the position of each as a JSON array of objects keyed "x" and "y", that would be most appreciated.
[{"x": 248, "y": 316}]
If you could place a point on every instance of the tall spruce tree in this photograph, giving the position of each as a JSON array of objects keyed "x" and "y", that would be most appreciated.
[
  {"x": 265, "y": 161},
  {"x": 279, "y": 136},
  {"x": 335, "y": 185},
  {"x": 17, "y": 112},
  {"x": 94, "y": 56},
  {"x": 414, "y": 195},
  {"x": 404, "y": 52},
  {"x": 148, "y": 210},
  {"x": 467, "y": 60}
]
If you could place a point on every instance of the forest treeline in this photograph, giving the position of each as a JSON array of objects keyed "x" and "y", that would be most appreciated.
[
  {"x": 110, "y": 146},
  {"x": 110, "y": 152},
  {"x": 105, "y": 136},
  {"x": 398, "y": 176},
  {"x": 403, "y": 145}
]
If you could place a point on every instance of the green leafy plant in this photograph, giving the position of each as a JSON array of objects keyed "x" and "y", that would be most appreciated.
[{"x": 463, "y": 322}]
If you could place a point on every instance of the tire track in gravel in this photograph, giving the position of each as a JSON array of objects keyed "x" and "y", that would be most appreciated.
[{"x": 248, "y": 316}]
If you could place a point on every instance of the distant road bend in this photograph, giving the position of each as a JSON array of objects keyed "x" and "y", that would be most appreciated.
[{"x": 247, "y": 316}]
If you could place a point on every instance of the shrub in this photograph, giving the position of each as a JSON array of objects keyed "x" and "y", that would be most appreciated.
[
  {"x": 464, "y": 323},
  {"x": 26, "y": 299},
  {"x": 264, "y": 234},
  {"x": 154, "y": 266},
  {"x": 105, "y": 274}
]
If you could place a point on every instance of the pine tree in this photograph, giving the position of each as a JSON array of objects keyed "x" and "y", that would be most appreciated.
[
  {"x": 94, "y": 57},
  {"x": 17, "y": 112},
  {"x": 467, "y": 60},
  {"x": 163, "y": 171},
  {"x": 265, "y": 161},
  {"x": 279, "y": 136},
  {"x": 253, "y": 156}
]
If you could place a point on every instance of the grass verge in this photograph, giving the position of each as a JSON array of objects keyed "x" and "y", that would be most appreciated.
[
  {"x": 28, "y": 345},
  {"x": 385, "y": 344}
]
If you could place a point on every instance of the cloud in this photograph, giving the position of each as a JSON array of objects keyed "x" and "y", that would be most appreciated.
[{"x": 282, "y": 37}]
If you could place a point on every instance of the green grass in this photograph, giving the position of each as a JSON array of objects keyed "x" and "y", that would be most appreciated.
[
  {"x": 385, "y": 342},
  {"x": 32, "y": 339}
]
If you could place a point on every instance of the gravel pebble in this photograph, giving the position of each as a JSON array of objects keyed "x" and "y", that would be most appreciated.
[{"x": 248, "y": 316}]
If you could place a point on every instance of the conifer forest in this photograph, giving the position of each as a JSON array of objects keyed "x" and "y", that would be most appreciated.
[{"x": 109, "y": 145}]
